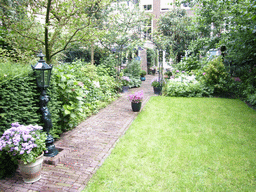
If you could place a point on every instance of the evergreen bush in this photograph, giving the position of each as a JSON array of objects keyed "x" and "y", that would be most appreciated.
[
  {"x": 19, "y": 101},
  {"x": 216, "y": 76}
]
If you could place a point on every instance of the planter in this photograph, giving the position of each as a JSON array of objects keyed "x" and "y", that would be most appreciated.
[
  {"x": 136, "y": 107},
  {"x": 125, "y": 89},
  {"x": 143, "y": 78},
  {"x": 31, "y": 172},
  {"x": 157, "y": 90}
]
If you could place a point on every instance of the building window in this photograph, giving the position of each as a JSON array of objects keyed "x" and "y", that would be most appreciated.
[
  {"x": 166, "y": 5},
  {"x": 147, "y": 28},
  {"x": 147, "y": 7}
]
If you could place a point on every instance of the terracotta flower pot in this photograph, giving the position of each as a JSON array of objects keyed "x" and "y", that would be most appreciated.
[{"x": 31, "y": 172}]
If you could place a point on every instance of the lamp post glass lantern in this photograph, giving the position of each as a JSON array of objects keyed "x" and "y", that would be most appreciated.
[{"x": 43, "y": 75}]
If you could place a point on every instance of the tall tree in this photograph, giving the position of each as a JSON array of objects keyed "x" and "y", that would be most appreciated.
[
  {"x": 122, "y": 27},
  {"x": 230, "y": 25},
  {"x": 51, "y": 25},
  {"x": 175, "y": 26}
]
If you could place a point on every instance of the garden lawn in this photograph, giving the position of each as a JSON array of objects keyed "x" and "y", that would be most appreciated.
[{"x": 184, "y": 144}]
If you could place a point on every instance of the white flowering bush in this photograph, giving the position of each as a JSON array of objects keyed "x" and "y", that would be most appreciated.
[
  {"x": 23, "y": 143},
  {"x": 184, "y": 85}
]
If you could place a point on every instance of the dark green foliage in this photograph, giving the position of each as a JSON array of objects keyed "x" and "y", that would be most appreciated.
[
  {"x": 151, "y": 56},
  {"x": 132, "y": 71},
  {"x": 8, "y": 69},
  {"x": 79, "y": 92},
  {"x": 175, "y": 25},
  {"x": 143, "y": 73},
  {"x": 77, "y": 53},
  {"x": 216, "y": 76},
  {"x": 234, "y": 34},
  {"x": 70, "y": 101},
  {"x": 190, "y": 63},
  {"x": 168, "y": 74},
  {"x": 7, "y": 166},
  {"x": 133, "y": 68},
  {"x": 55, "y": 106},
  {"x": 19, "y": 101},
  {"x": 107, "y": 66}
]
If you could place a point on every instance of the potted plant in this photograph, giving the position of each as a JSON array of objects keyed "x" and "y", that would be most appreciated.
[
  {"x": 153, "y": 70},
  {"x": 26, "y": 146},
  {"x": 155, "y": 83},
  {"x": 125, "y": 83},
  {"x": 136, "y": 99},
  {"x": 142, "y": 75}
]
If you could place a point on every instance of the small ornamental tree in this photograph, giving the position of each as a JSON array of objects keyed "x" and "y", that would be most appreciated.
[{"x": 216, "y": 76}]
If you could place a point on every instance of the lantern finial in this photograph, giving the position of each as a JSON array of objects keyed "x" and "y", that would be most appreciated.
[{"x": 41, "y": 55}]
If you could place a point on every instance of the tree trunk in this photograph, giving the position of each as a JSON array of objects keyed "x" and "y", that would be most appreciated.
[
  {"x": 46, "y": 32},
  {"x": 92, "y": 54}
]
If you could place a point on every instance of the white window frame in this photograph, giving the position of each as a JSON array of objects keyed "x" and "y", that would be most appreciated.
[{"x": 163, "y": 5}]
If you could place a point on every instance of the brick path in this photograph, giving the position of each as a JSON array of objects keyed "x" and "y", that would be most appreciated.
[{"x": 85, "y": 148}]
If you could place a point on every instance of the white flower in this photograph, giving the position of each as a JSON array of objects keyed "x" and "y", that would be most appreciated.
[{"x": 96, "y": 84}]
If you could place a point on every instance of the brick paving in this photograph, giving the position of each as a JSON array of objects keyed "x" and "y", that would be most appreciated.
[{"x": 85, "y": 148}]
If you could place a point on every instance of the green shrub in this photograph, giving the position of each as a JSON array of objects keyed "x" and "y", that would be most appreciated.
[
  {"x": 151, "y": 56},
  {"x": 135, "y": 82},
  {"x": 133, "y": 69},
  {"x": 184, "y": 89},
  {"x": 168, "y": 74},
  {"x": 143, "y": 73},
  {"x": 81, "y": 92},
  {"x": 19, "y": 101},
  {"x": 252, "y": 99},
  {"x": 16, "y": 57},
  {"x": 107, "y": 66},
  {"x": 76, "y": 52},
  {"x": 76, "y": 91},
  {"x": 216, "y": 77},
  {"x": 189, "y": 64},
  {"x": 9, "y": 70}
]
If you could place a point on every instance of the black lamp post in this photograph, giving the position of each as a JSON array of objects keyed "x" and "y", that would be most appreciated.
[
  {"x": 43, "y": 74},
  {"x": 160, "y": 77}
]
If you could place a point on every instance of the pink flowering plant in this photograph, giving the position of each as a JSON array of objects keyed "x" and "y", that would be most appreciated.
[
  {"x": 125, "y": 80},
  {"x": 137, "y": 97},
  {"x": 23, "y": 143}
]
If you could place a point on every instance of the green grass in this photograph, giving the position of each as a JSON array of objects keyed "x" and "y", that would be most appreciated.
[{"x": 184, "y": 144}]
